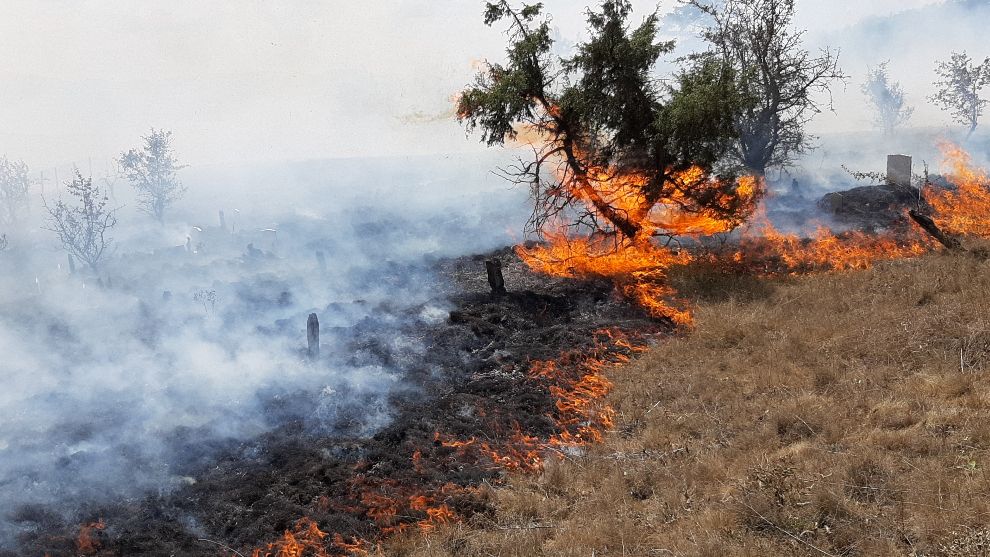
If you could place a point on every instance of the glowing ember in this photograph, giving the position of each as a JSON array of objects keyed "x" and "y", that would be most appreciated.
[{"x": 86, "y": 544}]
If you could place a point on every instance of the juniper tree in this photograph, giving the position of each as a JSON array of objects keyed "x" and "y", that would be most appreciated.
[
  {"x": 886, "y": 98},
  {"x": 774, "y": 72},
  {"x": 958, "y": 90},
  {"x": 151, "y": 171},
  {"x": 83, "y": 225},
  {"x": 601, "y": 117}
]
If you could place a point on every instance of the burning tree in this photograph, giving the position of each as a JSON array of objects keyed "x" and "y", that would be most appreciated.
[
  {"x": 887, "y": 98},
  {"x": 773, "y": 71},
  {"x": 152, "y": 173},
  {"x": 614, "y": 152},
  {"x": 14, "y": 186},
  {"x": 617, "y": 158},
  {"x": 958, "y": 90},
  {"x": 83, "y": 227}
]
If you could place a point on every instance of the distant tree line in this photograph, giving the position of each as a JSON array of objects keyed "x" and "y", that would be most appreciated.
[{"x": 83, "y": 220}]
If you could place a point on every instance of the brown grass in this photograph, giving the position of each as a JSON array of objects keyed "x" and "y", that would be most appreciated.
[{"x": 840, "y": 414}]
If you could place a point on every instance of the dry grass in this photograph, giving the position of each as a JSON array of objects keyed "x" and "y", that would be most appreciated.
[{"x": 842, "y": 414}]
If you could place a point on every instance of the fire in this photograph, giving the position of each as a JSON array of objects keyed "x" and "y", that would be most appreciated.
[
  {"x": 966, "y": 210},
  {"x": 304, "y": 539},
  {"x": 86, "y": 544},
  {"x": 764, "y": 249},
  {"x": 577, "y": 381},
  {"x": 307, "y": 540},
  {"x": 638, "y": 265},
  {"x": 517, "y": 452}
]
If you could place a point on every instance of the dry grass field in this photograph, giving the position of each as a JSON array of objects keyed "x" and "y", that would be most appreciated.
[{"x": 834, "y": 414}]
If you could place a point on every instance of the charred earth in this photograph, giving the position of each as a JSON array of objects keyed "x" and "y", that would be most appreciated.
[{"x": 467, "y": 408}]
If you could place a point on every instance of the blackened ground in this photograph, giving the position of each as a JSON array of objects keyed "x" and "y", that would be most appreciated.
[{"x": 471, "y": 382}]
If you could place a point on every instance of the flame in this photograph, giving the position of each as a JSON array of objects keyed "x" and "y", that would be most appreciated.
[
  {"x": 577, "y": 381},
  {"x": 764, "y": 249},
  {"x": 638, "y": 265},
  {"x": 966, "y": 210},
  {"x": 86, "y": 544},
  {"x": 307, "y": 540}
]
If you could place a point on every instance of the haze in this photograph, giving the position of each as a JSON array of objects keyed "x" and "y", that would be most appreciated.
[{"x": 269, "y": 81}]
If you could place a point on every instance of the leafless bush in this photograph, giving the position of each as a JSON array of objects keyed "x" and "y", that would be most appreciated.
[{"x": 83, "y": 226}]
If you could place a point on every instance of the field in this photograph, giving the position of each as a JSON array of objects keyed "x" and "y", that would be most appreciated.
[{"x": 833, "y": 414}]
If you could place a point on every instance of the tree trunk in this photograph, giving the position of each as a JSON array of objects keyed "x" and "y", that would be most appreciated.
[{"x": 929, "y": 226}]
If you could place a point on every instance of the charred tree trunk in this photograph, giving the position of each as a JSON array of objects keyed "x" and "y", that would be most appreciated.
[
  {"x": 929, "y": 226},
  {"x": 495, "y": 279},
  {"x": 313, "y": 336}
]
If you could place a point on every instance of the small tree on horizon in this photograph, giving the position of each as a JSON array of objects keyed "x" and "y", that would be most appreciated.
[
  {"x": 958, "y": 90},
  {"x": 887, "y": 99},
  {"x": 152, "y": 173},
  {"x": 774, "y": 72},
  {"x": 83, "y": 226},
  {"x": 14, "y": 187}
]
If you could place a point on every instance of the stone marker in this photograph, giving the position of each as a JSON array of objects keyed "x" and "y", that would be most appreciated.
[
  {"x": 223, "y": 221},
  {"x": 899, "y": 170}
]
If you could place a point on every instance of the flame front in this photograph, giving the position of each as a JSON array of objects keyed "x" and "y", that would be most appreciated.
[{"x": 966, "y": 210}]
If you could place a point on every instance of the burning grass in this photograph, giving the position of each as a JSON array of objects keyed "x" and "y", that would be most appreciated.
[
  {"x": 819, "y": 414},
  {"x": 831, "y": 414},
  {"x": 640, "y": 267}
]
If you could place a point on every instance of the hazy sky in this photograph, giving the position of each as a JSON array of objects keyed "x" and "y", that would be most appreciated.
[{"x": 244, "y": 80}]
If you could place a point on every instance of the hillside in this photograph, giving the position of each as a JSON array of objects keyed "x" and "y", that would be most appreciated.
[{"x": 834, "y": 414}]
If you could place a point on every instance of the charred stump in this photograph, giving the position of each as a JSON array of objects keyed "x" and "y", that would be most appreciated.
[
  {"x": 495, "y": 279},
  {"x": 929, "y": 226},
  {"x": 313, "y": 336}
]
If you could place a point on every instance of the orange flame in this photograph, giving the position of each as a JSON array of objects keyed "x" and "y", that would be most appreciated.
[{"x": 966, "y": 210}]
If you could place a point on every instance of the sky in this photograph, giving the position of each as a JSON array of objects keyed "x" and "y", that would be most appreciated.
[{"x": 251, "y": 80}]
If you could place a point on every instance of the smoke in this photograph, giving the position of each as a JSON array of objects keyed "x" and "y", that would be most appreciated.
[{"x": 116, "y": 382}]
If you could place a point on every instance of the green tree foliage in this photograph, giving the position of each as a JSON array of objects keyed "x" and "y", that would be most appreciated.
[
  {"x": 601, "y": 112},
  {"x": 152, "y": 173},
  {"x": 83, "y": 226},
  {"x": 779, "y": 78},
  {"x": 959, "y": 86}
]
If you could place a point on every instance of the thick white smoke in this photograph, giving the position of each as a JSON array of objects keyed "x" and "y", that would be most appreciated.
[{"x": 113, "y": 381}]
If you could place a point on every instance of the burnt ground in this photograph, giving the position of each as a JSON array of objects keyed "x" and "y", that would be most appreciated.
[{"x": 469, "y": 382}]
